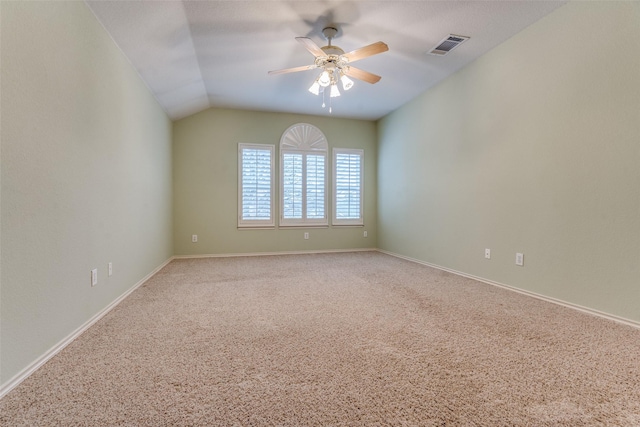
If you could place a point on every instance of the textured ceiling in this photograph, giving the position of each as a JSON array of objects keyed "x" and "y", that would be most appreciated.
[{"x": 199, "y": 54}]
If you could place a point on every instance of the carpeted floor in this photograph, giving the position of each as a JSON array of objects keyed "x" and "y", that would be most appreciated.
[{"x": 356, "y": 339}]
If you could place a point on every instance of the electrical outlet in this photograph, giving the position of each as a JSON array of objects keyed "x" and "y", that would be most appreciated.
[
  {"x": 194, "y": 238},
  {"x": 519, "y": 259},
  {"x": 94, "y": 277},
  {"x": 365, "y": 233},
  {"x": 110, "y": 266},
  {"x": 306, "y": 236},
  {"x": 487, "y": 253}
]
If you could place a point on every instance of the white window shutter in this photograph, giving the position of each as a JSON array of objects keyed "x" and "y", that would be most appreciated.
[
  {"x": 348, "y": 187},
  {"x": 255, "y": 198},
  {"x": 315, "y": 186},
  {"x": 303, "y": 177},
  {"x": 292, "y": 186}
]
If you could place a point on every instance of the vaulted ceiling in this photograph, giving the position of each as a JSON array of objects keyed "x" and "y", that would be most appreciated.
[{"x": 199, "y": 54}]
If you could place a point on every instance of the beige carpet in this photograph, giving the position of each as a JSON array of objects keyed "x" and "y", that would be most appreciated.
[{"x": 359, "y": 339}]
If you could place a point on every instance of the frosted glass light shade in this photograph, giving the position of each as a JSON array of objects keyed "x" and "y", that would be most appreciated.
[
  {"x": 315, "y": 88},
  {"x": 347, "y": 83},
  {"x": 324, "y": 80}
]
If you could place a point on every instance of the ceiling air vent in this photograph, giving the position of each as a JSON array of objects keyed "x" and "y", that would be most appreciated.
[{"x": 447, "y": 44}]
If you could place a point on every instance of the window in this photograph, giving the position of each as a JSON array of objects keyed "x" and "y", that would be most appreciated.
[
  {"x": 347, "y": 186},
  {"x": 303, "y": 176},
  {"x": 255, "y": 185}
]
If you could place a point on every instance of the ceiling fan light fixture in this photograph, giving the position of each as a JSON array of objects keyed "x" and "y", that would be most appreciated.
[
  {"x": 325, "y": 79},
  {"x": 347, "y": 83},
  {"x": 334, "y": 65},
  {"x": 315, "y": 88}
]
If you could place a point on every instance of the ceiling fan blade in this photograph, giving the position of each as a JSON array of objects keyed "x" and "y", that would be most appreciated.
[
  {"x": 364, "y": 52},
  {"x": 311, "y": 46},
  {"x": 293, "y": 70},
  {"x": 365, "y": 76}
]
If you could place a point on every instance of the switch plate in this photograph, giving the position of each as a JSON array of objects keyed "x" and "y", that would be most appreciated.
[
  {"x": 110, "y": 269},
  {"x": 365, "y": 233},
  {"x": 194, "y": 238},
  {"x": 306, "y": 236},
  {"x": 519, "y": 259},
  {"x": 487, "y": 253},
  {"x": 94, "y": 277}
]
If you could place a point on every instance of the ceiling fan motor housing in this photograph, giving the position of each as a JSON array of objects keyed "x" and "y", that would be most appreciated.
[
  {"x": 334, "y": 59},
  {"x": 332, "y": 50}
]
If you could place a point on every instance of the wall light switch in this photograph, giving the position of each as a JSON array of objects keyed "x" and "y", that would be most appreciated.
[
  {"x": 110, "y": 269},
  {"x": 94, "y": 277}
]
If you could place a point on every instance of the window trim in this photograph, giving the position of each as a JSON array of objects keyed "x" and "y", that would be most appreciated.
[
  {"x": 256, "y": 223},
  {"x": 351, "y": 221}
]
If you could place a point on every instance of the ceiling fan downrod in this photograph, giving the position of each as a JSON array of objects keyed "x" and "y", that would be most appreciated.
[{"x": 329, "y": 33}]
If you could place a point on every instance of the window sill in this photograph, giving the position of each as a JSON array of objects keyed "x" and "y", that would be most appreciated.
[
  {"x": 257, "y": 227},
  {"x": 284, "y": 227}
]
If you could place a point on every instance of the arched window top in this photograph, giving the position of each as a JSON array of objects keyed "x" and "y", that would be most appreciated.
[{"x": 305, "y": 137}]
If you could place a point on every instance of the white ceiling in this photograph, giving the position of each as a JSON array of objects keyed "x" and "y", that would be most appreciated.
[{"x": 199, "y": 54}]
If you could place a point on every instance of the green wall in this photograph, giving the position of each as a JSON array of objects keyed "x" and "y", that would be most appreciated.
[
  {"x": 533, "y": 148},
  {"x": 205, "y": 170},
  {"x": 86, "y": 177}
]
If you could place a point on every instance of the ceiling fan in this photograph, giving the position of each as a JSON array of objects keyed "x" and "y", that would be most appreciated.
[{"x": 335, "y": 64}]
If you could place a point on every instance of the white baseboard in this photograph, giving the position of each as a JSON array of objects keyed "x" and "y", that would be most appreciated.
[
  {"x": 566, "y": 304},
  {"x": 322, "y": 251},
  {"x": 22, "y": 375},
  {"x": 31, "y": 368}
]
